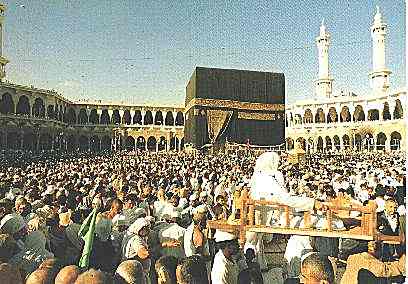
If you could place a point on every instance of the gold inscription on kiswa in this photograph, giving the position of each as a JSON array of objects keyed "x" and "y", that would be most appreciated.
[
  {"x": 259, "y": 116},
  {"x": 234, "y": 105}
]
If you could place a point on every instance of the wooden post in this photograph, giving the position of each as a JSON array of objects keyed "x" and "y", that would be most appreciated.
[
  {"x": 329, "y": 220},
  {"x": 243, "y": 217},
  {"x": 307, "y": 220},
  {"x": 372, "y": 225},
  {"x": 251, "y": 215},
  {"x": 287, "y": 217}
]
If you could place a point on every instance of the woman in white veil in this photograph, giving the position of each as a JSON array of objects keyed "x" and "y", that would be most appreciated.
[{"x": 268, "y": 183}]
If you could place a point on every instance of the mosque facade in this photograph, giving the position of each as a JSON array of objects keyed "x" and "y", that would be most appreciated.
[{"x": 349, "y": 122}]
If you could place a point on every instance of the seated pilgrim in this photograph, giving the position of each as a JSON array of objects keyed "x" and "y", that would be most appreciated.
[{"x": 268, "y": 183}]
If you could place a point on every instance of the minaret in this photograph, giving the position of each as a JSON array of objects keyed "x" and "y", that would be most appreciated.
[
  {"x": 324, "y": 81},
  {"x": 3, "y": 60},
  {"x": 379, "y": 77}
]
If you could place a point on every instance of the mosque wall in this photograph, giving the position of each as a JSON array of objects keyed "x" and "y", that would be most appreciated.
[
  {"x": 349, "y": 123},
  {"x": 36, "y": 119}
]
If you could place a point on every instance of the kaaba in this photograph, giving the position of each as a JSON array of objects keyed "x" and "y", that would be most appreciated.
[{"x": 237, "y": 106}]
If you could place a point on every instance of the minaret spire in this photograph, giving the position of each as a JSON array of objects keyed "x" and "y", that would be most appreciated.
[
  {"x": 324, "y": 82},
  {"x": 379, "y": 77},
  {"x": 3, "y": 60}
]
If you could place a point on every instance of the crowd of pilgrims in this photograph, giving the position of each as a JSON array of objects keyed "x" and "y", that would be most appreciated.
[{"x": 152, "y": 210}]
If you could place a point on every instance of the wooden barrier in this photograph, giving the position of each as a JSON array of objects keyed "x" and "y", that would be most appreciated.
[{"x": 253, "y": 218}]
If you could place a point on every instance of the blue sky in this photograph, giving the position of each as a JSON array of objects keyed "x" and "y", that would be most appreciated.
[{"x": 145, "y": 51}]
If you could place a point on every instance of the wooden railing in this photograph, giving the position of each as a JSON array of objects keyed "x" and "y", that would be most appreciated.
[{"x": 253, "y": 215}]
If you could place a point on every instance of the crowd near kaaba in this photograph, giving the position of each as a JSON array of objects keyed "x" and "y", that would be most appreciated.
[{"x": 140, "y": 217}]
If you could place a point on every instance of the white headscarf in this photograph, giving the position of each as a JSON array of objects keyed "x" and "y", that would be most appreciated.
[
  {"x": 267, "y": 163},
  {"x": 138, "y": 225}
]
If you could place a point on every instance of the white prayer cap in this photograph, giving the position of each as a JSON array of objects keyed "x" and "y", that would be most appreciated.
[
  {"x": 103, "y": 227},
  {"x": 193, "y": 197},
  {"x": 203, "y": 194},
  {"x": 150, "y": 219},
  {"x": 201, "y": 209},
  {"x": 138, "y": 225},
  {"x": 249, "y": 246},
  {"x": 12, "y": 223},
  {"x": 222, "y": 236},
  {"x": 50, "y": 190},
  {"x": 13, "y": 192}
]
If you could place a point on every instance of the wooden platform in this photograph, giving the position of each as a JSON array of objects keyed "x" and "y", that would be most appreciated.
[{"x": 253, "y": 218}]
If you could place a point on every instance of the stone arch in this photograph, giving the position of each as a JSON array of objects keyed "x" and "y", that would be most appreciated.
[
  {"x": 6, "y": 104},
  {"x": 141, "y": 143},
  {"x": 336, "y": 141},
  {"x": 148, "y": 119},
  {"x": 319, "y": 143},
  {"x": 83, "y": 143},
  {"x": 398, "y": 110},
  {"x": 130, "y": 143},
  {"x": 105, "y": 118},
  {"x": 71, "y": 143},
  {"x": 169, "y": 119},
  {"x": 106, "y": 143},
  {"x": 358, "y": 114},
  {"x": 329, "y": 145},
  {"x": 179, "y": 119},
  {"x": 162, "y": 143},
  {"x": 369, "y": 142},
  {"x": 137, "y": 118},
  {"x": 127, "y": 118},
  {"x": 151, "y": 143},
  {"x": 82, "y": 116},
  {"x": 308, "y": 116},
  {"x": 70, "y": 116},
  {"x": 46, "y": 141},
  {"x": 116, "y": 119},
  {"x": 381, "y": 141},
  {"x": 345, "y": 115},
  {"x": 23, "y": 106},
  {"x": 346, "y": 141},
  {"x": 29, "y": 141},
  {"x": 332, "y": 115},
  {"x": 395, "y": 140},
  {"x": 298, "y": 119},
  {"x": 158, "y": 118},
  {"x": 50, "y": 112},
  {"x": 320, "y": 117},
  {"x": 289, "y": 144},
  {"x": 386, "y": 111},
  {"x": 373, "y": 114},
  {"x": 93, "y": 117},
  {"x": 95, "y": 143},
  {"x": 38, "y": 108}
]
